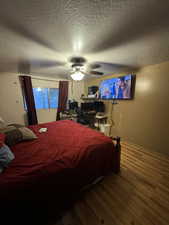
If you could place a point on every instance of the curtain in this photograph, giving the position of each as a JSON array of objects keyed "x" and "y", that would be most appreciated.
[
  {"x": 27, "y": 91},
  {"x": 63, "y": 97}
]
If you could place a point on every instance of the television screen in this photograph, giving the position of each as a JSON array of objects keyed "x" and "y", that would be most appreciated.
[{"x": 117, "y": 88}]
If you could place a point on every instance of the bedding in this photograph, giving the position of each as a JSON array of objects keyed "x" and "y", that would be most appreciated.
[
  {"x": 16, "y": 125},
  {"x": 17, "y": 133},
  {"x": 2, "y": 123},
  {"x": 2, "y": 139},
  {"x": 6, "y": 156},
  {"x": 59, "y": 162}
]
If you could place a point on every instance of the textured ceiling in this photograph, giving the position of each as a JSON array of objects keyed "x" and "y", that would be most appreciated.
[{"x": 43, "y": 33}]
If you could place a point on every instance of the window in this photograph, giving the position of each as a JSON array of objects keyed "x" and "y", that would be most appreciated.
[
  {"x": 53, "y": 97},
  {"x": 46, "y": 98}
]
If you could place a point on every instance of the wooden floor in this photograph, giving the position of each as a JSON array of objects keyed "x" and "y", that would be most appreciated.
[{"x": 139, "y": 195}]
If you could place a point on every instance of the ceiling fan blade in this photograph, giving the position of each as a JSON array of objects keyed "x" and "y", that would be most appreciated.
[
  {"x": 110, "y": 68},
  {"x": 94, "y": 66},
  {"x": 96, "y": 73},
  {"x": 46, "y": 63}
]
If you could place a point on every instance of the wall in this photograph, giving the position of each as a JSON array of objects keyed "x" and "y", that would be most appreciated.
[
  {"x": 144, "y": 120},
  {"x": 11, "y": 100}
]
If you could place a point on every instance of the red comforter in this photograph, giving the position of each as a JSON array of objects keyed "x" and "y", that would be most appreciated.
[{"x": 59, "y": 162}]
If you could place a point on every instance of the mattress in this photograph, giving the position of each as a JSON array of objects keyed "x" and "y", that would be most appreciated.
[{"x": 57, "y": 164}]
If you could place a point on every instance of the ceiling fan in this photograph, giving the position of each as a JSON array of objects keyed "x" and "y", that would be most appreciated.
[
  {"x": 76, "y": 67},
  {"x": 80, "y": 68}
]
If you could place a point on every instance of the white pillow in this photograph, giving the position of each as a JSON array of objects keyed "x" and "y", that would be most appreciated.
[{"x": 2, "y": 123}]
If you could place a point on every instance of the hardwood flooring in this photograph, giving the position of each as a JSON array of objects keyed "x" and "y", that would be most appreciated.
[{"x": 139, "y": 195}]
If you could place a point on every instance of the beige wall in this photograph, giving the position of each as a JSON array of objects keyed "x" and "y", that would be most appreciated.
[
  {"x": 144, "y": 120},
  {"x": 11, "y": 100}
]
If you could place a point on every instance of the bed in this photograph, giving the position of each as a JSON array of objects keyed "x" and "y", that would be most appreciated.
[{"x": 57, "y": 164}]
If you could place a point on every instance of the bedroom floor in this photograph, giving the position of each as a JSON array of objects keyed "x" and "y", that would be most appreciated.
[{"x": 137, "y": 196}]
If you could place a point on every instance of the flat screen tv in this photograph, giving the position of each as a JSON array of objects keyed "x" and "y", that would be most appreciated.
[{"x": 117, "y": 88}]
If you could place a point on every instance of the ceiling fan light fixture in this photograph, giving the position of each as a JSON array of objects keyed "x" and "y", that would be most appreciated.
[{"x": 78, "y": 75}]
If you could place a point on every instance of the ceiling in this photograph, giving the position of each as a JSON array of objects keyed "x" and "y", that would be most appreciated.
[{"x": 131, "y": 33}]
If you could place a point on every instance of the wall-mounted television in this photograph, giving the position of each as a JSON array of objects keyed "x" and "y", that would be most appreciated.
[{"x": 117, "y": 88}]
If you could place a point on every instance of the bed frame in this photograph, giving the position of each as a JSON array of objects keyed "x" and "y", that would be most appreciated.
[
  {"x": 116, "y": 164},
  {"x": 117, "y": 154}
]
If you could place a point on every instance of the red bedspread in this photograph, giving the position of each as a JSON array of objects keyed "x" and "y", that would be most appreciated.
[{"x": 60, "y": 161}]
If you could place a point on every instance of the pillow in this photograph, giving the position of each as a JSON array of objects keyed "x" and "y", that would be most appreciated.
[
  {"x": 6, "y": 156},
  {"x": 2, "y": 123},
  {"x": 12, "y": 135},
  {"x": 2, "y": 139},
  {"x": 15, "y": 135},
  {"x": 27, "y": 134},
  {"x": 16, "y": 125},
  {"x": 6, "y": 129}
]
